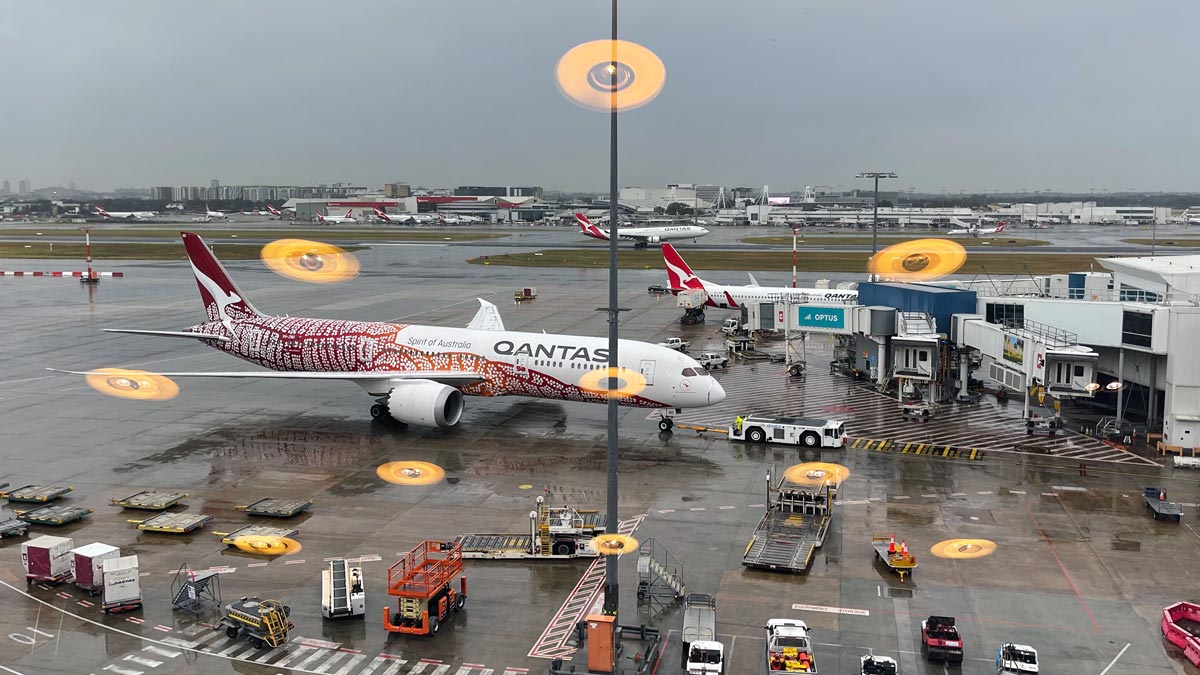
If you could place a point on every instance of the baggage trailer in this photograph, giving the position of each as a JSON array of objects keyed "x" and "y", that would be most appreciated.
[
  {"x": 276, "y": 508},
  {"x": 342, "y": 590},
  {"x": 149, "y": 500},
  {"x": 555, "y": 533},
  {"x": 54, "y": 514},
  {"x": 265, "y": 622},
  {"x": 793, "y": 528},
  {"x": 702, "y": 653},
  {"x": 789, "y": 648},
  {"x": 47, "y": 559},
  {"x": 940, "y": 640},
  {"x": 422, "y": 580},
  {"x": 122, "y": 585},
  {"x": 87, "y": 565},
  {"x": 810, "y": 433},
  {"x": 1160, "y": 508},
  {"x": 37, "y": 494},
  {"x": 173, "y": 523},
  {"x": 896, "y": 557},
  {"x": 13, "y": 527}
]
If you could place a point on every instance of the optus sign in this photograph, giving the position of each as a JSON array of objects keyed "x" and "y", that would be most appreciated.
[{"x": 821, "y": 317}]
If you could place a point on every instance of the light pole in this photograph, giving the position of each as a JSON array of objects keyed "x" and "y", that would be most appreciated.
[
  {"x": 611, "y": 587},
  {"x": 875, "y": 215}
]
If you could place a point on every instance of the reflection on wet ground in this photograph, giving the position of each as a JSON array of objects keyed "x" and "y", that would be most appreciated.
[{"x": 1067, "y": 546}]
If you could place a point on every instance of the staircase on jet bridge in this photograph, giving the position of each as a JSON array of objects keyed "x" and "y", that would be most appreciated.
[{"x": 660, "y": 574}]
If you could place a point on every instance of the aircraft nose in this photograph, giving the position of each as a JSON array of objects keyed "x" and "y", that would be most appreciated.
[{"x": 716, "y": 393}]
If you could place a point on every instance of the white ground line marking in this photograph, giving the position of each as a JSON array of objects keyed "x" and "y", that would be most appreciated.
[
  {"x": 142, "y": 661},
  {"x": 10, "y": 670},
  {"x": 1115, "y": 658},
  {"x": 831, "y": 610},
  {"x": 169, "y": 653},
  {"x": 114, "y": 629}
]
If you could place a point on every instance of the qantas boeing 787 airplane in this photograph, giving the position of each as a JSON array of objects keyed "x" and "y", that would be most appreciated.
[{"x": 419, "y": 374}]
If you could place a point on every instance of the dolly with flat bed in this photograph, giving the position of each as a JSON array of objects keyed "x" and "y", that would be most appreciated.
[
  {"x": 172, "y": 523},
  {"x": 794, "y": 526},
  {"x": 149, "y": 500},
  {"x": 555, "y": 533},
  {"x": 54, "y": 514},
  {"x": 1160, "y": 507},
  {"x": 896, "y": 557},
  {"x": 38, "y": 494},
  {"x": 275, "y": 507}
]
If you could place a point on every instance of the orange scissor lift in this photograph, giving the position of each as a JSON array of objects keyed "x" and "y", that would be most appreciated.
[{"x": 422, "y": 582}]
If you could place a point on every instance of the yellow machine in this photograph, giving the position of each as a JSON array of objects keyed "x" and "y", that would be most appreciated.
[{"x": 264, "y": 621}]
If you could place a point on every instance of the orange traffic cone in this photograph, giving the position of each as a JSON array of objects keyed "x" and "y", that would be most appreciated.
[
  {"x": 904, "y": 547},
  {"x": 1162, "y": 495},
  {"x": 892, "y": 544}
]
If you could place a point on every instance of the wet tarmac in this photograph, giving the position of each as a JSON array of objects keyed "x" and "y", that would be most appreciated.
[{"x": 1080, "y": 570}]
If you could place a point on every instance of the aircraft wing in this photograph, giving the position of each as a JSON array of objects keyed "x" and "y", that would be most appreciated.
[
  {"x": 451, "y": 377},
  {"x": 627, "y": 236},
  {"x": 487, "y": 318},
  {"x": 169, "y": 333}
]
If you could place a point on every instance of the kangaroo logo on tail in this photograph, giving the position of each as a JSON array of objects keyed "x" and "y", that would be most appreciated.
[
  {"x": 586, "y": 227},
  {"x": 217, "y": 290},
  {"x": 678, "y": 272}
]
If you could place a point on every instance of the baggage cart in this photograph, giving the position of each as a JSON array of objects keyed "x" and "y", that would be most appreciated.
[
  {"x": 276, "y": 508},
  {"x": 173, "y": 523},
  {"x": 37, "y": 494},
  {"x": 87, "y": 565},
  {"x": 122, "y": 585},
  {"x": 149, "y": 500},
  {"x": 13, "y": 527},
  {"x": 54, "y": 514},
  {"x": 1160, "y": 507},
  {"x": 47, "y": 559},
  {"x": 895, "y": 556}
]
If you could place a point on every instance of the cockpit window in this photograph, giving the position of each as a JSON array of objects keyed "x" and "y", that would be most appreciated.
[
  {"x": 700, "y": 372},
  {"x": 689, "y": 372}
]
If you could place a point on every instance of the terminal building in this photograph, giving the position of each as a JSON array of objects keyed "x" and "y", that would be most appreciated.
[{"x": 1126, "y": 336}]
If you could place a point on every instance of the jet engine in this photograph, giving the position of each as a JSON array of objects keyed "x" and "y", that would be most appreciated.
[{"x": 426, "y": 403}]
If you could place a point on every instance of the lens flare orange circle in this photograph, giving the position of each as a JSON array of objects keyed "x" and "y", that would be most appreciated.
[
  {"x": 312, "y": 261},
  {"x": 585, "y": 75},
  {"x": 410, "y": 472},
  {"x": 266, "y": 545},
  {"x": 629, "y": 382},
  {"x": 614, "y": 544},
  {"x": 918, "y": 260},
  {"x": 963, "y": 549},
  {"x": 815, "y": 473},
  {"x": 133, "y": 384}
]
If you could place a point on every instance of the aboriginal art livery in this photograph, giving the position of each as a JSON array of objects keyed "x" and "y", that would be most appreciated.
[
  {"x": 419, "y": 374},
  {"x": 682, "y": 278}
]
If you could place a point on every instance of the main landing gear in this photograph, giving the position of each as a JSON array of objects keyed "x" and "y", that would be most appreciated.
[{"x": 379, "y": 411}]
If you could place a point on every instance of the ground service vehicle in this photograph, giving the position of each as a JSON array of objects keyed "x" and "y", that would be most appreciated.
[
  {"x": 555, "y": 532},
  {"x": 712, "y": 360},
  {"x": 940, "y": 640},
  {"x": 792, "y": 529},
  {"x": 1156, "y": 501},
  {"x": 657, "y": 289},
  {"x": 422, "y": 582},
  {"x": 811, "y": 433},
  {"x": 879, "y": 665},
  {"x": 265, "y": 622},
  {"x": 678, "y": 344},
  {"x": 789, "y": 649},
  {"x": 342, "y": 592},
  {"x": 1013, "y": 658},
  {"x": 522, "y": 294},
  {"x": 731, "y": 326},
  {"x": 702, "y": 653}
]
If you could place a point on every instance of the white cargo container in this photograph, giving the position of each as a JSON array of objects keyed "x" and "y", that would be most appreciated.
[
  {"x": 47, "y": 558},
  {"x": 87, "y": 565},
  {"x": 122, "y": 585}
]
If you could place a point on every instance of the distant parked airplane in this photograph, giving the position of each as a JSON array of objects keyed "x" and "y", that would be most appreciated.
[
  {"x": 126, "y": 215},
  {"x": 641, "y": 236},
  {"x": 681, "y": 278},
  {"x": 975, "y": 230},
  {"x": 337, "y": 220}
]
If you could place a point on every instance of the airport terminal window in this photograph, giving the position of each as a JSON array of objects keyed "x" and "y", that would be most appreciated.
[
  {"x": 1005, "y": 314},
  {"x": 1137, "y": 328}
]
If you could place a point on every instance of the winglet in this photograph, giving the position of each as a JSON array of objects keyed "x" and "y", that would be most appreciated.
[
  {"x": 753, "y": 281},
  {"x": 487, "y": 317}
]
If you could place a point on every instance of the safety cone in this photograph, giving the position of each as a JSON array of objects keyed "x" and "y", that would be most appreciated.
[
  {"x": 892, "y": 544},
  {"x": 1162, "y": 495},
  {"x": 904, "y": 548}
]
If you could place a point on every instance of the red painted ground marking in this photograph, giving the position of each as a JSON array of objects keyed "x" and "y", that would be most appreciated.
[
  {"x": 430, "y": 661},
  {"x": 349, "y": 651},
  {"x": 1062, "y": 567},
  {"x": 390, "y": 656}
]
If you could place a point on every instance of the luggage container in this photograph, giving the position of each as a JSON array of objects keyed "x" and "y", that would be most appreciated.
[
  {"x": 87, "y": 565},
  {"x": 122, "y": 585},
  {"x": 47, "y": 559}
]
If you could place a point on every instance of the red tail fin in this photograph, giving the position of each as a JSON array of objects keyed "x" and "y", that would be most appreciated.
[
  {"x": 222, "y": 300},
  {"x": 349, "y": 213},
  {"x": 678, "y": 272},
  {"x": 1000, "y": 228},
  {"x": 320, "y": 218},
  {"x": 588, "y": 228}
]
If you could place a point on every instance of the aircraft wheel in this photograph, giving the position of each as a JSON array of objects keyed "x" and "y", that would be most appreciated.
[
  {"x": 665, "y": 424},
  {"x": 379, "y": 411}
]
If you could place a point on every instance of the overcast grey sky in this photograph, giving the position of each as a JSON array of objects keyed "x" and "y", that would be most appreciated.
[{"x": 950, "y": 94}]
